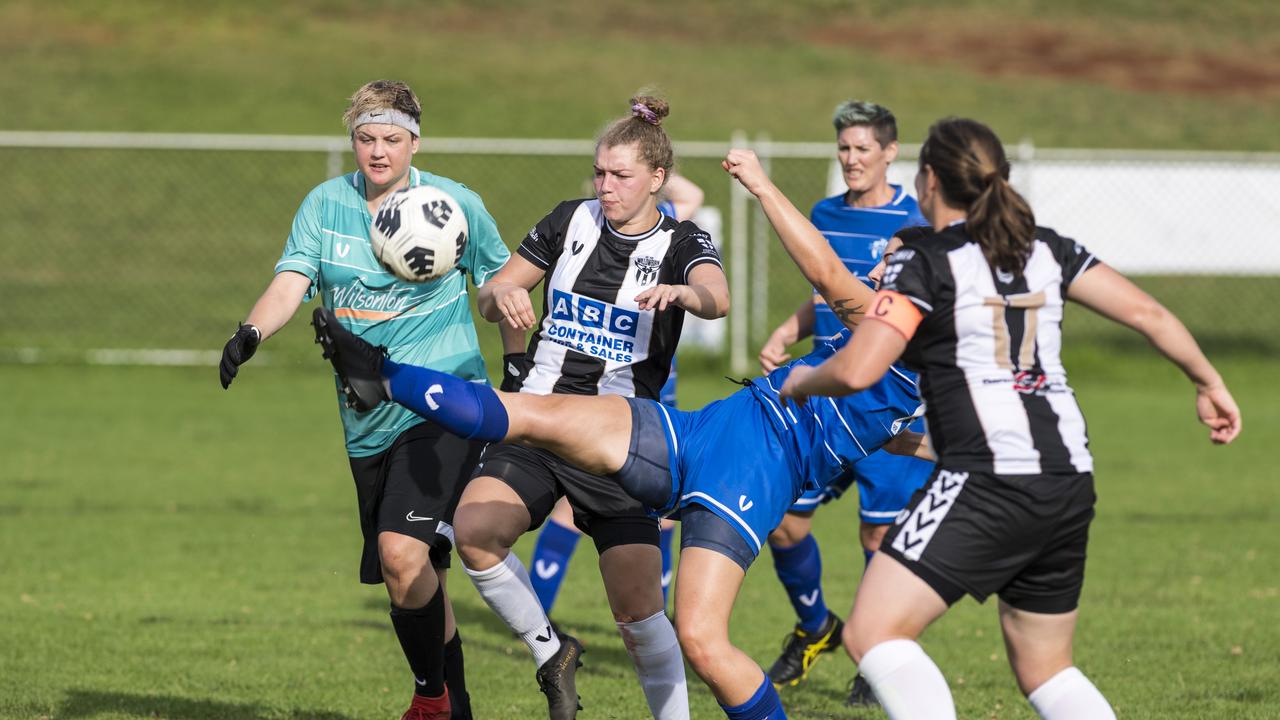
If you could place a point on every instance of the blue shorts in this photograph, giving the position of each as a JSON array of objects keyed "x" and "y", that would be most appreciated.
[
  {"x": 885, "y": 485},
  {"x": 727, "y": 457}
]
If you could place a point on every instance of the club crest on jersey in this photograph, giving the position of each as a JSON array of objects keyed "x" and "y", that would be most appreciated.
[
  {"x": 646, "y": 270},
  {"x": 877, "y": 248}
]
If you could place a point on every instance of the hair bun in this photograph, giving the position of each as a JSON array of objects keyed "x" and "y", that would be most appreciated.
[{"x": 649, "y": 109}]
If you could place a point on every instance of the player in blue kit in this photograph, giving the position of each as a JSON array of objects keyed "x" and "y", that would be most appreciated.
[
  {"x": 730, "y": 470},
  {"x": 408, "y": 473},
  {"x": 857, "y": 224}
]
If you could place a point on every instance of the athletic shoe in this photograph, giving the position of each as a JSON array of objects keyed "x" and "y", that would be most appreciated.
[
  {"x": 358, "y": 364},
  {"x": 861, "y": 694},
  {"x": 556, "y": 679},
  {"x": 800, "y": 651},
  {"x": 425, "y": 708}
]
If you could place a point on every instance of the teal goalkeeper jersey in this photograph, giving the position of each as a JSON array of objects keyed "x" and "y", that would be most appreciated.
[{"x": 420, "y": 323}]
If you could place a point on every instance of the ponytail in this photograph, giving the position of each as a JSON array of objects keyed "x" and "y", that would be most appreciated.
[
  {"x": 971, "y": 167},
  {"x": 1003, "y": 224}
]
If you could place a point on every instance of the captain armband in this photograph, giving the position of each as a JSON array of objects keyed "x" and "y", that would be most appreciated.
[{"x": 897, "y": 310}]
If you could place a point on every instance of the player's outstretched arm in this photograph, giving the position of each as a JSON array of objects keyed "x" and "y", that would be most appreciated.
[
  {"x": 1113, "y": 296},
  {"x": 506, "y": 295},
  {"x": 847, "y": 296},
  {"x": 273, "y": 309},
  {"x": 856, "y": 366}
]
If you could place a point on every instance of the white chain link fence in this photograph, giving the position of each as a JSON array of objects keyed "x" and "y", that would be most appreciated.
[{"x": 121, "y": 247}]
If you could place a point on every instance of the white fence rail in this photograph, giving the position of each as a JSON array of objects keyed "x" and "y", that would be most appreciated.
[{"x": 1166, "y": 213}]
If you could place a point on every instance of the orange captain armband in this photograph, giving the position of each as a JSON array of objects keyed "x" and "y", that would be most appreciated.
[{"x": 897, "y": 310}]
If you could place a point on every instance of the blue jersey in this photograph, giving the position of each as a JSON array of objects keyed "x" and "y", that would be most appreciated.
[
  {"x": 859, "y": 236},
  {"x": 830, "y": 434},
  {"x": 749, "y": 456}
]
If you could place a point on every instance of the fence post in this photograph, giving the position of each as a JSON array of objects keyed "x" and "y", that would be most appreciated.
[
  {"x": 760, "y": 251},
  {"x": 738, "y": 266},
  {"x": 1024, "y": 155},
  {"x": 334, "y": 168}
]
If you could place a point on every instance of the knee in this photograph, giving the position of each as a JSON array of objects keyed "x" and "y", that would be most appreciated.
[
  {"x": 404, "y": 563},
  {"x": 475, "y": 539},
  {"x": 791, "y": 531},
  {"x": 849, "y": 638},
  {"x": 871, "y": 536},
  {"x": 702, "y": 646},
  {"x": 862, "y": 633}
]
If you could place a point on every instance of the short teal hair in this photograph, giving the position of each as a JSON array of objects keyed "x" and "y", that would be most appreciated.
[{"x": 860, "y": 112}]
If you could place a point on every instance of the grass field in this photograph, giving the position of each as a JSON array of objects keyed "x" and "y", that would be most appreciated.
[{"x": 175, "y": 551}]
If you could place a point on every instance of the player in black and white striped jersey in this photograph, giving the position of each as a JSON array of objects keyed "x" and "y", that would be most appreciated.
[
  {"x": 619, "y": 277},
  {"x": 977, "y": 310},
  {"x": 593, "y": 338}
]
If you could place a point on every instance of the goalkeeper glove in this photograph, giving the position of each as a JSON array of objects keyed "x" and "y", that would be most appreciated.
[
  {"x": 237, "y": 352},
  {"x": 515, "y": 368}
]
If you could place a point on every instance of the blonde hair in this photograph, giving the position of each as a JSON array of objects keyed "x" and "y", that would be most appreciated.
[
  {"x": 643, "y": 126},
  {"x": 380, "y": 94}
]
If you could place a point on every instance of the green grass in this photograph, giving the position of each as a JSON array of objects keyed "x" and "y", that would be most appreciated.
[
  {"x": 504, "y": 68},
  {"x": 177, "y": 551}
]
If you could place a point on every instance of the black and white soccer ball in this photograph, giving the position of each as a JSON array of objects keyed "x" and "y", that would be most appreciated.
[{"x": 419, "y": 233}]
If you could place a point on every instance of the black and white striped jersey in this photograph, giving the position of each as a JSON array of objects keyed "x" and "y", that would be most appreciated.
[
  {"x": 989, "y": 353},
  {"x": 593, "y": 338}
]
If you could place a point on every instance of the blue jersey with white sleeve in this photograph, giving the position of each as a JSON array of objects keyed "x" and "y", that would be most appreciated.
[
  {"x": 859, "y": 236},
  {"x": 749, "y": 456},
  {"x": 832, "y": 433}
]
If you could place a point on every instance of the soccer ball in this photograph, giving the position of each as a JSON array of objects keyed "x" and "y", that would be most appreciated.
[{"x": 419, "y": 233}]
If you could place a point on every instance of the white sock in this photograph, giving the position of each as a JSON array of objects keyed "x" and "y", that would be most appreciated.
[
  {"x": 1069, "y": 695},
  {"x": 907, "y": 683},
  {"x": 659, "y": 665},
  {"x": 505, "y": 587}
]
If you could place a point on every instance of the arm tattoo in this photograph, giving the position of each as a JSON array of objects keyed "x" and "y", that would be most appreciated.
[{"x": 850, "y": 315}]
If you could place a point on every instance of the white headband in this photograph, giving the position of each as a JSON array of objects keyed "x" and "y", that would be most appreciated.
[{"x": 388, "y": 116}]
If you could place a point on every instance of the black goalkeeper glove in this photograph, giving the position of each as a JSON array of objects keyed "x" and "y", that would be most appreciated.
[
  {"x": 237, "y": 352},
  {"x": 515, "y": 368}
]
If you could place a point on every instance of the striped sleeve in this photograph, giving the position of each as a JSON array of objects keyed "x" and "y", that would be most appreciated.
[
  {"x": 693, "y": 249},
  {"x": 1075, "y": 260},
  {"x": 543, "y": 243}
]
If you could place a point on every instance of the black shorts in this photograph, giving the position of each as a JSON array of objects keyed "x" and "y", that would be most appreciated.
[
  {"x": 412, "y": 488},
  {"x": 600, "y": 507},
  {"x": 1020, "y": 537}
]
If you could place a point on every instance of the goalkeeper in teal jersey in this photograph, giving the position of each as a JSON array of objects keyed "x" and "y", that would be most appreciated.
[{"x": 408, "y": 473}]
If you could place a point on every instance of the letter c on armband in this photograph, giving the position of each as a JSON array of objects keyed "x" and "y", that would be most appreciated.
[{"x": 898, "y": 311}]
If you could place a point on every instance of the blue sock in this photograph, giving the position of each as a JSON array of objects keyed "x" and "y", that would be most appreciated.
[
  {"x": 464, "y": 408},
  {"x": 867, "y": 554},
  {"x": 799, "y": 567},
  {"x": 665, "y": 536},
  {"x": 551, "y": 554},
  {"x": 764, "y": 705}
]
